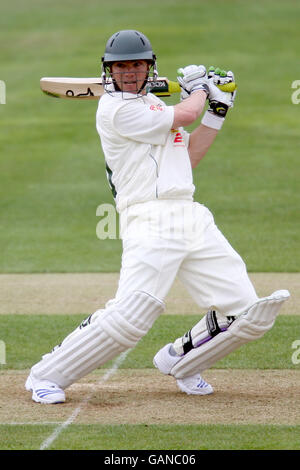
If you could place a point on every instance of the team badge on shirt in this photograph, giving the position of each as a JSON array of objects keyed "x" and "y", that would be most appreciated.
[
  {"x": 178, "y": 138},
  {"x": 156, "y": 107}
]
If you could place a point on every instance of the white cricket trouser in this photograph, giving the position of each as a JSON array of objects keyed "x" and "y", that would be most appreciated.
[{"x": 163, "y": 239}]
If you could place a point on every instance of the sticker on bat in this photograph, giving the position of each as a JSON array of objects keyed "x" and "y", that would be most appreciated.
[{"x": 70, "y": 93}]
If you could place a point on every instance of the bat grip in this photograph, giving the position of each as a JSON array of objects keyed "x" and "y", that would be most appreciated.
[{"x": 174, "y": 87}]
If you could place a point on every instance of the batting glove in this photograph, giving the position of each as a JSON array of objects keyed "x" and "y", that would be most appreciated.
[
  {"x": 192, "y": 78},
  {"x": 219, "y": 101},
  {"x": 220, "y": 77}
]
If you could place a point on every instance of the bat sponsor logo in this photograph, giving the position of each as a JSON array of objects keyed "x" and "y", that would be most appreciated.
[
  {"x": 159, "y": 87},
  {"x": 157, "y": 84},
  {"x": 71, "y": 94}
]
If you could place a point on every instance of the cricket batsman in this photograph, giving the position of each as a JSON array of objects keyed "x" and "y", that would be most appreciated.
[{"x": 165, "y": 233}]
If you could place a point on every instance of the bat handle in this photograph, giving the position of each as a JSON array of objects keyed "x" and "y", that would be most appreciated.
[
  {"x": 174, "y": 87},
  {"x": 228, "y": 87}
]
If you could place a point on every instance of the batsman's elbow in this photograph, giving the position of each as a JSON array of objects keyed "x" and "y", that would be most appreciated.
[{"x": 183, "y": 118}]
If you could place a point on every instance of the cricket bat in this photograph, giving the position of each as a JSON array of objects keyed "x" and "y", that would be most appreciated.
[{"x": 92, "y": 89}]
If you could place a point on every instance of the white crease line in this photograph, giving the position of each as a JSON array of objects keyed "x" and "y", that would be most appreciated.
[{"x": 47, "y": 443}]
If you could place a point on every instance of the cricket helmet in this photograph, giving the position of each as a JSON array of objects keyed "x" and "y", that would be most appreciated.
[{"x": 128, "y": 44}]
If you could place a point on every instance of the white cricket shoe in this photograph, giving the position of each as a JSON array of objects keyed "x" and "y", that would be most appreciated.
[
  {"x": 164, "y": 361},
  {"x": 194, "y": 385},
  {"x": 44, "y": 391}
]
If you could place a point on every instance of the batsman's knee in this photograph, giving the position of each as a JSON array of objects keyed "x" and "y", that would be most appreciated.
[{"x": 128, "y": 319}]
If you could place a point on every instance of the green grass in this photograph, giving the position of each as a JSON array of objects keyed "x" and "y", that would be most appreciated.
[
  {"x": 52, "y": 174},
  {"x": 149, "y": 437},
  {"x": 28, "y": 337}
]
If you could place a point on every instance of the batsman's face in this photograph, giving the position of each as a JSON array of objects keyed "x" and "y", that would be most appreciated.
[{"x": 130, "y": 75}]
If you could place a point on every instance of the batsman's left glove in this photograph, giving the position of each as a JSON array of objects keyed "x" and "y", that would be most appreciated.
[{"x": 219, "y": 101}]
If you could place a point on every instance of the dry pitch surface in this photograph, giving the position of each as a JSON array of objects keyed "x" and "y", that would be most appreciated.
[{"x": 145, "y": 396}]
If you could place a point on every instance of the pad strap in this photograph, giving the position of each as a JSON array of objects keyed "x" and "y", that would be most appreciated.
[
  {"x": 212, "y": 323},
  {"x": 187, "y": 343}
]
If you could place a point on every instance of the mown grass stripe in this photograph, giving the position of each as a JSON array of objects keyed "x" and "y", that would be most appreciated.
[
  {"x": 28, "y": 337},
  {"x": 159, "y": 437}
]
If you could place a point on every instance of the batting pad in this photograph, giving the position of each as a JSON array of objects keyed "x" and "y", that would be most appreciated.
[
  {"x": 210, "y": 325},
  {"x": 103, "y": 336},
  {"x": 249, "y": 326}
]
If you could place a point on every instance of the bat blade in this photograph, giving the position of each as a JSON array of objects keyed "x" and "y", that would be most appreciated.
[
  {"x": 72, "y": 88},
  {"x": 92, "y": 89}
]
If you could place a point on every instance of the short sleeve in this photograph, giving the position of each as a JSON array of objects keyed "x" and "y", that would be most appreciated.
[{"x": 143, "y": 121}]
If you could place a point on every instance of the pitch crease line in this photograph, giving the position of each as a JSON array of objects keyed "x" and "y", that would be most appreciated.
[{"x": 49, "y": 441}]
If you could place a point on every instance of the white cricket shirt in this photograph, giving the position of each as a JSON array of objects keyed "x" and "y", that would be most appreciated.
[{"x": 145, "y": 158}]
